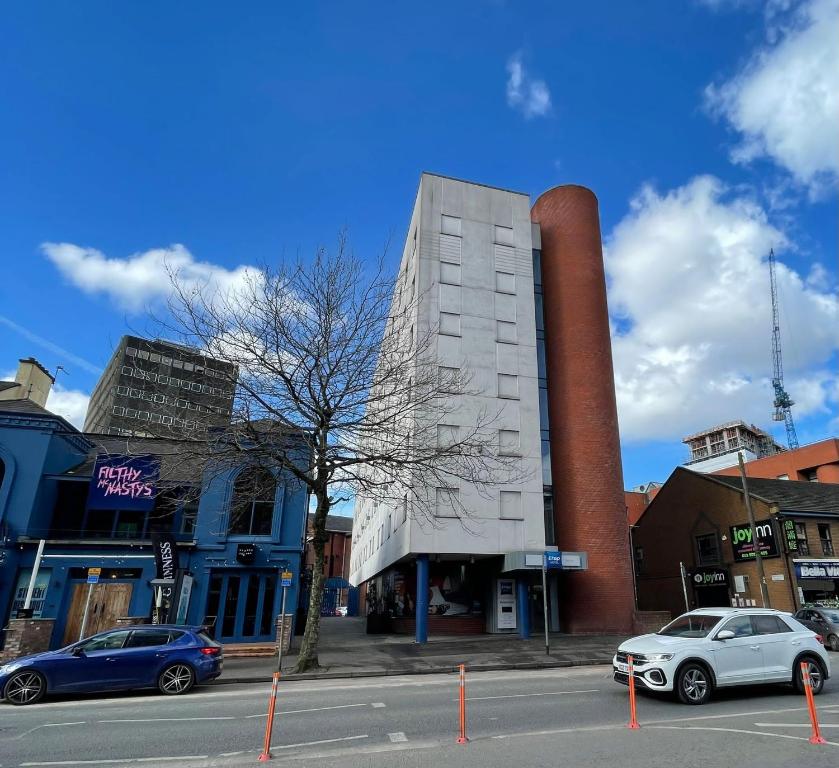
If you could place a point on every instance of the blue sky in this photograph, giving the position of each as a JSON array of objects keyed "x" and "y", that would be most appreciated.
[{"x": 245, "y": 134}]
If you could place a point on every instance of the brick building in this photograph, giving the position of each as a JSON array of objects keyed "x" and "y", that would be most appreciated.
[
  {"x": 701, "y": 521},
  {"x": 817, "y": 462},
  {"x": 336, "y": 551}
]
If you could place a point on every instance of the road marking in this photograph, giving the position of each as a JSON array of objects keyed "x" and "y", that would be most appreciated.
[
  {"x": 298, "y": 711},
  {"x": 322, "y": 741},
  {"x": 45, "y": 725},
  {"x": 398, "y": 736},
  {"x": 526, "y": 695},
  {"x": 168, "y": 719},
  {"x": 118, "y": 762},
  {"x": 378, "y": 705},
  {"x": 735, "y": 730},
  {"x": 795, "y": 725}
]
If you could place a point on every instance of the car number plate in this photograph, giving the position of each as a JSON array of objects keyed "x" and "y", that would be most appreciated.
[{"x": 622, "y": 667}]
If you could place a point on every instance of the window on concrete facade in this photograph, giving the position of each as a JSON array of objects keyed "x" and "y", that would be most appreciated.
[
  {"x": 511, "y": 505},
  {"x": 446, "y": 435},
  {"x": 446, "y": 502},
  {"x": 448, "y": 378},
  {"x": 503, "y": 235},
  {"x": 707, "y": 549},
  {"x": 505, "y": 332},
  {"x": 509, "y": 441},
  {"x": 449, "y": 273},
  {"x": 449, "y": 324},
  {"x": 826, "y": 539},
  {"x": 505, "y": 283},
  {"x": 450, "y": 225},
  {"x": 252, "y": 505},
  {"x": 801, "y": 538},
  {"x": 508, "y": 385}
]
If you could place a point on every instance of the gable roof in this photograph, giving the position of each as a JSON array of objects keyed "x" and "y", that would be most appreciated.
[
  {"x": 790, "y": 495},
  {"x": 335, "y": 523},
  {"x": 8, "y": 385},
  {"x": 24, "y": 405}
]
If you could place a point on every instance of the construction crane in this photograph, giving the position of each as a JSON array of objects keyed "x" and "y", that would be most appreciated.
[{"x": 783, "y": 403}]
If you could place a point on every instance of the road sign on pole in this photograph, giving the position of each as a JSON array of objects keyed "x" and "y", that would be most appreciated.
[{"x": 286, "y": 578}]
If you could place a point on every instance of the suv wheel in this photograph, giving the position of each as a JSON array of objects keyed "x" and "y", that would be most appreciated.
[
  {"x": 693, "y": 684},
  {"x": 816, "y": 675}
]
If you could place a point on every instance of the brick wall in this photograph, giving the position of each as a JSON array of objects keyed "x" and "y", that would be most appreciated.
[
  {"x": 689, "y": 506},
  {"x": 589, "y": 503},
  {"x": 25, "y": 636}
]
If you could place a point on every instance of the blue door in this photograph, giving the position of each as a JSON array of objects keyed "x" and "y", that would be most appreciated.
[{"x": 244, "y": 604}]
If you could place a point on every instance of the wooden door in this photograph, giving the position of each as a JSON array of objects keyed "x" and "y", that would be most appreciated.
[{"x": 108, "y": 602}]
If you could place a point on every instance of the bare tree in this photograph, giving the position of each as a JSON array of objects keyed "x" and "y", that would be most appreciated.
[{"x": 335, "y": 353}]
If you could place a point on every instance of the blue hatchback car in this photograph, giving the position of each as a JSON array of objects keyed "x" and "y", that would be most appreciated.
[{"x": 170, "y": 658}]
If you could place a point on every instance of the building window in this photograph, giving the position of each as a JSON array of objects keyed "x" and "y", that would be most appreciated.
[
  {"x": 505, "y": 283},
  {"x": 131, "y": 351},
  {"x": 143, "y": 355},
  {"x": 448, "y": 379},
  {"x": 449, "y": 274},
  {"x": 446, "y": 502},
  {"x": 449, "y": 324},
  {"x": 118, "y": 410},
  {"x": 811, "y": 476},
  {"x": 511, "y": 505},
  {"x": 503, "y": 235},
  {"x": 505, "y": 332},
  {"x": 783, "y": 477},
  {"x": 126, "y": 371},
  {"x": 801, "y": 537},
  {"x": 508, "y": 386},
  {"x": 252, "y": 506},
  {"x": 509, "y": 442},
  {"x": 450, "y": 225},
  {"x": 446, "y": 435},
  {"x": 707, "y": 549},
  {"x": 825, "y": 538},
  {"x": 131, "y": 413}
]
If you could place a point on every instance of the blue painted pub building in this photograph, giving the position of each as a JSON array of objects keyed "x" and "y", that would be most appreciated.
[{"x": 234, "y": 531}]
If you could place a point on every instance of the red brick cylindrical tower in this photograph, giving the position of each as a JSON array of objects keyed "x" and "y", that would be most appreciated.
[{"x": 589, "y": 507}]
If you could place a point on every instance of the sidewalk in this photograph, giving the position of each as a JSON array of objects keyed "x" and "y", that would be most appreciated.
[{"x": 345, "y": 650}]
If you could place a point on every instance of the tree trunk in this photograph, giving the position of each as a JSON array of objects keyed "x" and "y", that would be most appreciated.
[{"x": 307, "y": 659}]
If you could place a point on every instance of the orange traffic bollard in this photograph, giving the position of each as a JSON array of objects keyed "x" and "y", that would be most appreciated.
[
  {"x": 633, "y": 720},
  {"x": 816, "y": 737},
  {"x": 462, "y": 738},
  {"x": 269, "y": 726}
]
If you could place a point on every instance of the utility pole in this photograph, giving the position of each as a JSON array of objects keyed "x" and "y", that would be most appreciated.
[{"x": 764, "y": 592}]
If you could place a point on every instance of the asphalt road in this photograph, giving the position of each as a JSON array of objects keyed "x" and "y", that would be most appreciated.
[{"x": 570, "y": 717}]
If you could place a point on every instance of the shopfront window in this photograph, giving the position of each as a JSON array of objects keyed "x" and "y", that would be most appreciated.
[{"x": 707, "y": 549}]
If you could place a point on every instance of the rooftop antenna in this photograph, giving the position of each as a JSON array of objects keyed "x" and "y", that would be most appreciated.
[{"x": 782, "y": 403}]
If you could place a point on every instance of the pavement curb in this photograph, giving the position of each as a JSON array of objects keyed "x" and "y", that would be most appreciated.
[{"x": 433, "y": 670}]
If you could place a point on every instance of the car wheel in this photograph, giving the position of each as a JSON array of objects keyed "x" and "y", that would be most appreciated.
[
  {"x": 693, "y": 684},
  {"x": 25, "y": 687},
  {"x": 176, "y": 679},
  {"x": 833, "y": 643},
  {"x": 816, "y": 675}
]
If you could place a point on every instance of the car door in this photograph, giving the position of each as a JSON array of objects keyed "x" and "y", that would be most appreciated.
[
  {"x": 94, "y": 668},
  {"x": 739, "y": 659},
  {"x": 777, "y": 643},
  {"x": 145, "y": 654}
]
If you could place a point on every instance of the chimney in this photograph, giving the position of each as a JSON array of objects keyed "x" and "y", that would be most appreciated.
[{"x": 35, "y": 381}]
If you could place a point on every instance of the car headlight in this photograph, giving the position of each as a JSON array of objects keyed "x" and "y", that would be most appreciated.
[{"x": 659, "y": 656}]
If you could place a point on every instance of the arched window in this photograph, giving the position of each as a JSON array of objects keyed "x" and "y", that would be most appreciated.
[{"x": 252, "y": 507}]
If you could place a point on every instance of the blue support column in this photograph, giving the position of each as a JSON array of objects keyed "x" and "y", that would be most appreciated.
[
  {"x": 422, "y": 599},
  {"x": 523, "y": 609}
]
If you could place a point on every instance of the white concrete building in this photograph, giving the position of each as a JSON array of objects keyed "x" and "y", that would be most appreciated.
[{"x": 469, "y": 258}]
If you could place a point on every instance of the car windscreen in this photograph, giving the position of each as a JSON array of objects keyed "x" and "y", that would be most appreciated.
[{"x": 691, "y": 625}]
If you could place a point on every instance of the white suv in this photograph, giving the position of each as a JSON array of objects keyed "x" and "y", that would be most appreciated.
[{"x": 716, "y": 647}]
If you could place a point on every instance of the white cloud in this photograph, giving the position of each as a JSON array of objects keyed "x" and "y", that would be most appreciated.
[
  {"x": 69, "y": 403},
  {"x": 141, "y": 278},
  {"x": 529, "y": 96},
  {"x": 689, "y": 294},
  {"x": 785, "y": 100}
]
